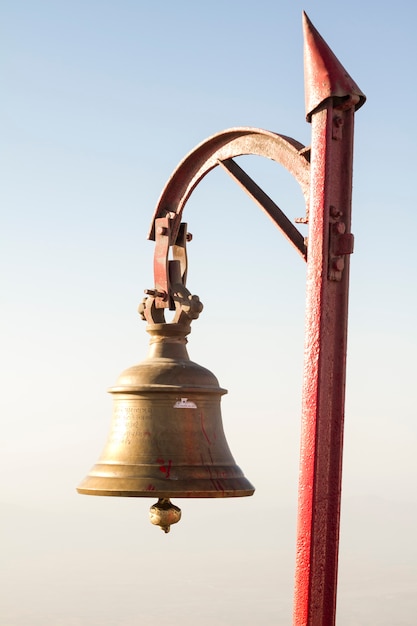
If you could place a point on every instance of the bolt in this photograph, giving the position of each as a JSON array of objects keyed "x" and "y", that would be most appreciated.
[
  {"x": 335, "y": 212},
  {"x": 162, "y": 230},
  {"x": 338, "y": 122},
  {"x": 155, "y": 293},
  {"x": 189, "y": 237},
  {"x": 338, "y": 264},
  {"x": 339, "y": 228}
]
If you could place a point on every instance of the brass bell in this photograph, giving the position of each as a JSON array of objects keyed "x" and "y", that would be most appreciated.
[{"x": 166, "y": 437}]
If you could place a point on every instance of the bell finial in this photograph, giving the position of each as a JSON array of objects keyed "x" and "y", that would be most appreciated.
[{"x": 163, "y": 513}]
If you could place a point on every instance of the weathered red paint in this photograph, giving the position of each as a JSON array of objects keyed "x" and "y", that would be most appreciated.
[
  {"x": 325, "y": 76},
  {"x": 160, "y": 262},
  {"x": 326, "y": 337}
]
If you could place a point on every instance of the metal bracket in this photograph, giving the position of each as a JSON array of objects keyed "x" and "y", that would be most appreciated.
[
  {"x": 340, "y": 244},
  {"x": 170, "y": 275},
  {"x": 337, "y": 127},
  {"x": 163, "y": 266}
]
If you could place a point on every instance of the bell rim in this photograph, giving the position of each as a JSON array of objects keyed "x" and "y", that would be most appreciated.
[
  {"x": 148, "y": 485},
  {"x": 226, "y": 493}
]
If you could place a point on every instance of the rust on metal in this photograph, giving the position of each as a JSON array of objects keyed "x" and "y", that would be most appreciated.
[
  {"x": 267, "y": 204},
  {"x": 220, "y": 147},
  {"x": 166, "y": 227}
]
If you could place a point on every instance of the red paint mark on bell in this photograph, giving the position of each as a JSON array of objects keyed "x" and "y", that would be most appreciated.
[
  {"x": 169, "y": 468},
  {"x": 203, "y": 429},
  {"x": 150, "y": 488},
  {"x": 217, "y": 485},
  {"x": 165, "y": 468}
]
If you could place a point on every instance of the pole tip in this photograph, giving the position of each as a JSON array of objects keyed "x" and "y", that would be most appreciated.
[{"x": 324, "y": 76}]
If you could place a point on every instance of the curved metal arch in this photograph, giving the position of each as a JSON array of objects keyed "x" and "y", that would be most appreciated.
[{"x": 223, "y": 146}]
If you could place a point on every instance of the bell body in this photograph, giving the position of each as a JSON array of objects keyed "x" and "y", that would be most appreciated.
[{"x": 166, "y": 436}]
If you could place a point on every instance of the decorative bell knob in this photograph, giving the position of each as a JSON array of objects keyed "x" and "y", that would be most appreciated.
[{"x": 164, "y": 514}]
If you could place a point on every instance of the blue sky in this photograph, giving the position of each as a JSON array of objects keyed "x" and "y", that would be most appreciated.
[{"x": 100, "y": 102}]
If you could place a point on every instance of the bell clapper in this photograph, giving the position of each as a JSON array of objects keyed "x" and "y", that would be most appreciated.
[{"x": 163, "y": 513}]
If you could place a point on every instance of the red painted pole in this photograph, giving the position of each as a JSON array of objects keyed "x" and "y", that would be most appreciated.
[{"x": 331, "y": 98}]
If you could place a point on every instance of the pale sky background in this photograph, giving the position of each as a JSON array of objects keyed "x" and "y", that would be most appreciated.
[{"x": 100, "y": 102}]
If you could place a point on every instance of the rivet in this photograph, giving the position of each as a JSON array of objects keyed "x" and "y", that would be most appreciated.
[
  {"x": 338, "y": 264},
  {"x": 339, "y": 228},
  {"x": 335, "y": 212}
]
